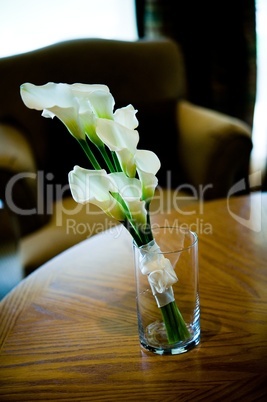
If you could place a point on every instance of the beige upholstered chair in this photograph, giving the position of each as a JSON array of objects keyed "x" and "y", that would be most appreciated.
[{"x": 197, "y": 147}]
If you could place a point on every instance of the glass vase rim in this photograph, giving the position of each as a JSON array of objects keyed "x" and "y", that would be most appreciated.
[{"x": 178, "y": 250}]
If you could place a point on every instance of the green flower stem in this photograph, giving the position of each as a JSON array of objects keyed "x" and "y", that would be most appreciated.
[
  {"x": 106, "y": 158},
  {"x": 141, "y": 235},
  {"x": 140, "y": 238},
  {"x": 133, "y": 232},
  {"x": 116, "y": 161},
  {"x": 128, "y": 222},
  {"x": 174, "y": 323},
  {"x": 89, "y": 154}
]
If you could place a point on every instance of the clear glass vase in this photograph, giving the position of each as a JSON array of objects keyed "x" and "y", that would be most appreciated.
[{"x": 168, "y": 309}]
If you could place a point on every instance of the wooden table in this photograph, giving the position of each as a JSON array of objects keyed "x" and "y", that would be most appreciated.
[{"x": 69, "y": 331}]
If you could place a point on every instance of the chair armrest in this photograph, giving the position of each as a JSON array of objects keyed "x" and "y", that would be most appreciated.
[
  {"x": 18, "y": 178},
  {"x": 15, "y": 152},
  {"x": 214, "y": 149}
]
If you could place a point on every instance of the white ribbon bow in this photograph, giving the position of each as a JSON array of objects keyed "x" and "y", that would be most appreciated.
[{"x": 161, "y": 275}]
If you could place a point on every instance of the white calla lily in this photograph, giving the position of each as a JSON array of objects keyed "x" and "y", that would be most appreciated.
[
  {"x": 116, "y": 136},
  {"x": 131, "y": 192},
  {"x": 95, "y": 186},
  {"x": 70, "y": 118},
  {"x": 75, "y": 105},
  {"x": 149, "y": 183},
  {"x": 147, "y": 165},
  {"x": 102, "y": 104},
  {"x": 117, "y": 195},
  {"x": 47, "y": 96},
  {"x": 88, "y": 122},
  {"x": 120, "y": 139},
  {"x": 126, "y": 116},
  {"x": 147, "y": 161},
  {"x": 127, "y": 162}
]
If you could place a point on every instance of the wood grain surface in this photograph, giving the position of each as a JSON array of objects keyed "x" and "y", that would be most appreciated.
[{"x": 69, "y": 331}]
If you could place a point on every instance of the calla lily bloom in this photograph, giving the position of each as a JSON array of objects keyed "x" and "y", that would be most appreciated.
[
  {"x": 95, "y": 186},
  {"x": 131, "y": 192},
  {"x": 147, "y": 161},
  {"x": 101, "y": 189},
  {"x": 124, "y": 142},
  {"x": 120, "y": 139},
  {"x": 149, "y": 183},
  {"x": 75, "y": 105},
  {"x": 126, "y": 116},
  {"x": 147, "y": 164}
]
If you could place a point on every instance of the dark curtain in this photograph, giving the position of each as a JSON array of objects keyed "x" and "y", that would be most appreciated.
[{"x": 218, "y": 38}]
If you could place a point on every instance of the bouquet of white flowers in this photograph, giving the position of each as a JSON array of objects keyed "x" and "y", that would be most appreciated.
[{"x": 123, "y": 179}]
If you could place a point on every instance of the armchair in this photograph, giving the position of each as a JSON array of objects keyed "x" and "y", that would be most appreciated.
[{"x": 198, "y": 148}]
